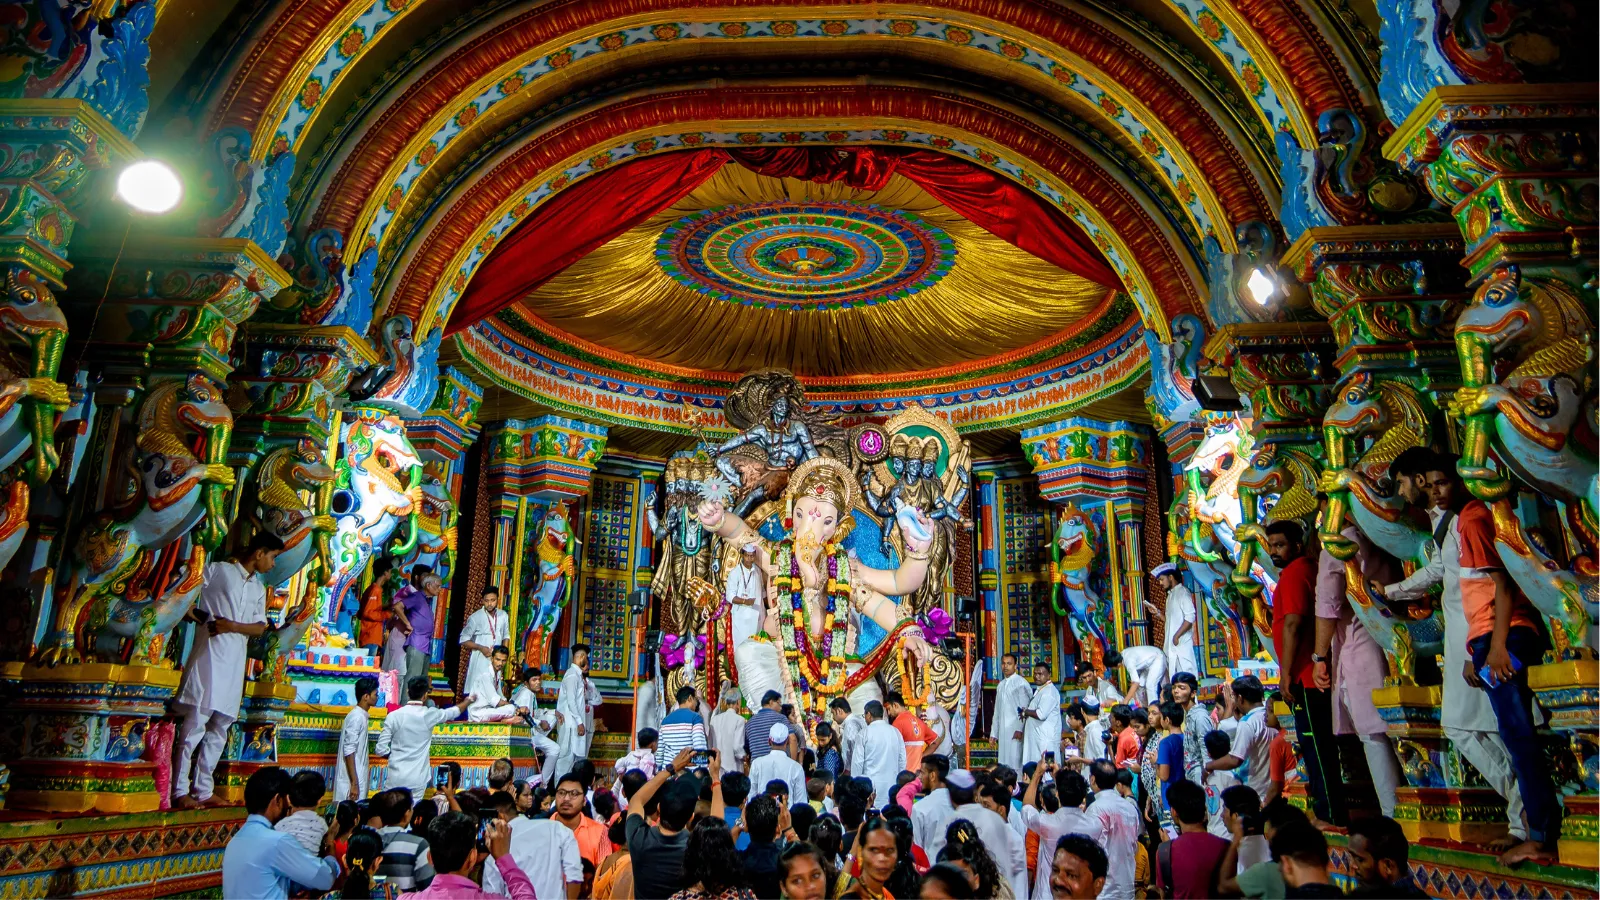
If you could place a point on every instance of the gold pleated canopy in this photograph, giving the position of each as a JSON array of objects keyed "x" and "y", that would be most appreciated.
[{"x": 994, "y": 299}]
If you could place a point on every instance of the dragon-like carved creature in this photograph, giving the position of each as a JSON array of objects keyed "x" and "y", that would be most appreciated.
[
  {"x": 137, "y": 568},
  {"x": 1074, "y": 542},
  {"x": 282, "y": 511},
  {"x": 1281, "y": 484},
  {"x": 1540, "y": 421},
  {"x": 378, "y": 486}
]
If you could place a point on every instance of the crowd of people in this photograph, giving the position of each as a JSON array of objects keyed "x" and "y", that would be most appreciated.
[{"x": 1173, "y": 799}]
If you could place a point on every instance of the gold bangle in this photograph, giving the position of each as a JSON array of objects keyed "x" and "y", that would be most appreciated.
[{"x": 922, "y": 557}]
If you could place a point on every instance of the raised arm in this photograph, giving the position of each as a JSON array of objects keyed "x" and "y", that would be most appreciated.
[{"x": 636, "y": 805}]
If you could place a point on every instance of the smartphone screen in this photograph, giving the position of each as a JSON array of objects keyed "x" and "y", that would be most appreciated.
[
  {"x": 1049, "y": 756},
  {"x": 441, "y": 778},
  {"x": 700, "y": 758}
]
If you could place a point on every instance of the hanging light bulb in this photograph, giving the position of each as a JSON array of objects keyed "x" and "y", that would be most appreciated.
[
  {"x": 150, "y": 186},
  {"x": 1262, "y": 287}
]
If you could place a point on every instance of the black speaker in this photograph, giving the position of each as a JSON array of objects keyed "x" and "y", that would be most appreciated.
[
  {"x": 1217, "y": 392},
  {"x": 966, "y": 607},
  {"x": 639, "y": 600}
]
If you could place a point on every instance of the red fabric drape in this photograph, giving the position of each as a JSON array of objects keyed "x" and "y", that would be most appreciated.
[
  {"x": 584, "y": 217},
  {"x": 576, "y": 222}
]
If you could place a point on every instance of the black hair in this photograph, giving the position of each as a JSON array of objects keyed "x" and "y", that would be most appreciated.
[
  {"x": 1072, "y": 789},
  {"x": 771, "y": 697},
  {"x": 801, "y": 815},
  {"x": 605, "y": 804},
  {"x": 787, "y": 710},
  {"x": 490, "y": 589},
  {"x": 421, "y": 814},
  {"x": 504, "y": 803},
  {"x": 648, "y": 736},
  {"x": 381, "y": 567},
  {"x": 617, "y": 833},
  {"x": 585, "y": 770},
  {"x": 801, "y": 848},
  {"x": 1188, "y": 802},
  {"x": 685, "y": 693},
  {"x": 825, "y": 736},
  {"x": 761, "y": 818},
  {"x": 1123, "y": 713},
  {"x": 816, "y": 787},
  {"x": 1385, "y": 839},
  {"x": 776, "y": 788},
  {"x": 1125, "y": 778},
  {"x": 710, "y": 860},
  {"x": 306, "y": 788},
  {"x": 501, "y": 771},
  {"x": 1219, "y": 746},
  {"x": 1412, "y": 462},
  {"x": 1185, "y": 678},
  {"x": 1048, "y": 798},
  {"x": 452, "y": 836},
  {"x": 894, "y": 697},
  {"x": 1104, "y": 774},
  {"x": 1301, "y": 842},
  {"x": 365, "y": 685},
  {"x": 527, "y": 673},
  {"x": 838, "y": 703},
  {"x": 939, "y": 763},
  {"x": 265, "y": 786},
  {"x": 1075, "y": 711},
  {"x": 851, "y": 800},
  {"x": 996, "y": 792},
  {"x": 1280, "y": 812},
  {"x": 903, "y": 880},
  {"x": 1242, "y": 800},
  {"x": 500, "y": 650},
  {"x": 1140, "y": 716},
  {"x": 1288, "y": 528},
  {"x": 1087, "y": 849},
  {"x": 735, "y": 788},
  {"x": 363, "y": 846},
  {"x": 346, "y": 813},
  {"x": 1004, "y": 774},
  {"x": 677, "y": 807},
  {"x": 874, "y": 709},
  {"x": 577, "y": 647},
  {"x": 417, "y": 687},
  {"x": 632, "y": 781},
  {"x": 1248, "y": 688},
  {"x": 1172, "y": 712},
  {"x": 263, "y": 540},
  {"x": 962, "y": 842},
  {"x": 421, "y": 571},
  {"x": 952, "y": 882},
  {"x": 1112, "y": 659},
  {"x": 1446, "y": 463},
  {"x": 827, "y": 834}
]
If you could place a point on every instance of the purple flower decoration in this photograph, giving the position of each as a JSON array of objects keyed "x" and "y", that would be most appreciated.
[
  {"x": 673, "y": 652},
  {"x": 936, "y": 625}
]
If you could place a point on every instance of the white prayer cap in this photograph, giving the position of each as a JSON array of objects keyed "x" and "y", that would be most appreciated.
[
  {"x": 779, "y": 733},
  {"x": 961, "y": 779},
  {"x": 1090, "y": 701},
  {"x": 749, "y": 547},
  {"x": 1165, "y": 568}
]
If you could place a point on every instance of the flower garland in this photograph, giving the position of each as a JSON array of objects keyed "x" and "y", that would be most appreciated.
[{"x": 814, "y": 677}]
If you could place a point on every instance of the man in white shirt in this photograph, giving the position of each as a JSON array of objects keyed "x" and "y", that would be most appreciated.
[
  {"x": 350, "y": 770},
  {"x": 883, "y": 755},
  {"x": 747, "y": 592},
  {"x": 1009, "y": 851},
  {"x": 487, "y": 628},
  {"x": 1042, "y": 723},
  {"x": 726, "y": 730},
  {"x": 547, "y": 852},
  {"x": 779, "y": 766},
  {"x": 1116, "y": 830},
  {"x": 851, "y": 727},
  {"x": 932, "y": 812},
  {"x": 1005, "y": 726},
  {"x": 1466, "y": 715},
  {"x": 407, "y": 737},
  {"x": 231, "y": 610},
  {"x": 491, "y": 704},
  {"x": 540, "y": 722},
  {"x": 1084, "y": 718},
  {"x": 1251, "y": 756},
  {"x": 572, "y": 711},
  {"x": 1147, "y": 670},
  {"x": 1070, "y": 818},
  {"x": 1178, "y": 640}
]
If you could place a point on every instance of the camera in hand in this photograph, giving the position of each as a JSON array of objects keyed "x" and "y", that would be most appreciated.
[
  {"x": 700, "y": 758},
  {"x": 441, "y": 778}
]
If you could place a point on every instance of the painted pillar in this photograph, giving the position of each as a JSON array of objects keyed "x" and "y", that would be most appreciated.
[
  {"x": 1094, "y": 473},
  {"x": 1514, "y": 163},
  {"x": 988, "y": 521}
]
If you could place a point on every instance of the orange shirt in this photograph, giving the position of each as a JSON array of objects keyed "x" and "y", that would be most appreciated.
[
  {"x": 594, "y": 842},
  {"x": 371, "y": 616},
  {"x": 1127, "y": 749},
  {"x": 1479, "y": 557},
  {"x": 917, "y": 734}
]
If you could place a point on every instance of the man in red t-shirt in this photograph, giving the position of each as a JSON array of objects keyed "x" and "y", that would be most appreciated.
[
  {"x": 1294, "y": 626},
  {"x": 1503, "y": 636},
  {"x": 1188, "y": 865},
  {"x": 916, "y": 732}
]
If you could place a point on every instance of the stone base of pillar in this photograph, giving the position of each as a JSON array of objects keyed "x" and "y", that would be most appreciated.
[
  {"x": 253, "y": 739},
  {"x": 1580, "y": 831},
  {"x": 1443, "y": 798},
  {"x": 1473, "y": 816},
  {"x": 78, "y": 734},
  {"x": 1570, "y": 692}
]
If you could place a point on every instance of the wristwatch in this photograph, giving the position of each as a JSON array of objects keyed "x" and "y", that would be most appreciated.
[{"x": 1316, "y": 659}]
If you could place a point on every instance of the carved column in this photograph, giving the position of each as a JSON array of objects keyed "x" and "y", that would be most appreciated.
[
  {"x": 537, "y": 469},
  {"x": 1095, "y": 472},
  {"x": 1515, "y": 164}
]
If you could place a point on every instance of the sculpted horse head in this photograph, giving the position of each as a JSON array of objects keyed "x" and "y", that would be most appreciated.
[
  {"x": 281, "y": 511},
  {"x": 384, "y": 486}
]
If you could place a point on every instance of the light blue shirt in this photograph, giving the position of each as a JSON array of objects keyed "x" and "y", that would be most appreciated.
[{"x": 260, "y": 863}]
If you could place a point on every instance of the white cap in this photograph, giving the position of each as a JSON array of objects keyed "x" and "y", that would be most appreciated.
[
  {"x": 749, "y": 547},
  {"x": 779, "y": 733},
  {"x": 961, "y": 779},
  {"x": 1165, "y": 568},
  {"x": 1090, "y": 701}
]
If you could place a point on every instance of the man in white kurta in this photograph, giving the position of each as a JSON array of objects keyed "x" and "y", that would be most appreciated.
[
  {"x": 350, "y": 768},
  {"x": 407, "y": 737},
  {"x": 932, "y": 812},
  {"x": 491, "y": 704},
  {"x": 1466, "y": 715},
  {"x": 231, "y": 610},
  {"x": 1178, "y": 638},
  {"x": 1147, "y": 670},
  {"x": 541, "y": 723},
  {"x": 572, "y": 712},
  {"x": 1005, "y": 726},
  {"x": 779, "y": 766},
  {"x": 938, "y": 718},
  {"x": 591, "y": 702},
  {"x": 1042, "y": 729},
  {"x": 725, "y": 731},
  {"x": 1009, "y": 850},
  {"x": 883, "y": 755},
  {"x": 746, "y": 591},
  {"x": 487, "y": 628}
]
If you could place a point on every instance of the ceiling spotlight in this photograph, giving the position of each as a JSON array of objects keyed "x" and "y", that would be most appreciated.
[
  {"x": 150, "y": 186},
  {"x": 1261, "y": 286}
]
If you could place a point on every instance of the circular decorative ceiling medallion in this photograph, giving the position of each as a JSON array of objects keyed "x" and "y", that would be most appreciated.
[{"x": 805, "y": 256}]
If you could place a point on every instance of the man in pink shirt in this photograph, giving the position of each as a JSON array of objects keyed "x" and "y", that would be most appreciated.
[{"x": 453, "y": 843}]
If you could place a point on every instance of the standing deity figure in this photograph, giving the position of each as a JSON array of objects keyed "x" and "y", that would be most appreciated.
[
  {"x": 775, "y": 435},
  {"x": 928, "y": 471},
  {"x": 685, "y": 555},
  {"x": 823, "y": 601},
  {"x": 1073, "y": 543}
]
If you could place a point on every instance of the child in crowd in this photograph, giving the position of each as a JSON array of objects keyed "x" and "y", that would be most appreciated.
[
  {"x": 1217, "y": 782},
  {"x": 304, "y": 821}
]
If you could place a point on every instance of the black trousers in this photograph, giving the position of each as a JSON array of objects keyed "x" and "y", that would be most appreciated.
[{"x": 1313, "y": 720}]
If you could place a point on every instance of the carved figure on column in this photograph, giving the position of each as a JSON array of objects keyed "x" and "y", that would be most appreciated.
[
  {"x": 33, "y": 331},
  {"x": 928, "y": 471},
  {"x": 378, "y": 484},
  {"x": 685, "y": 553},
  {"x": 306, "y": 537},
  {"x": 548, "y": 596},
  {"x": 1074, "y": 541},
  {"x": 1212, "y": 548},
  {"x": 1281, "y": 484}
]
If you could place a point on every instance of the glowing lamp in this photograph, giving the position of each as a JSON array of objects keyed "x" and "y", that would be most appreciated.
[
  {"x": 1261, "y": 287},
  {"x": 150, "y": 187}
]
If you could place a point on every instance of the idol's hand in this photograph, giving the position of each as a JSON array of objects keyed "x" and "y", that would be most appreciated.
[
  {"x": 920, "y": 651},
  {"x": 710, "y": 513},
  {"x": 920, "y": 546}
]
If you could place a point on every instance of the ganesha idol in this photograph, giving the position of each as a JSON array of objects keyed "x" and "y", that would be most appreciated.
[{"x": 832, "y": 627}]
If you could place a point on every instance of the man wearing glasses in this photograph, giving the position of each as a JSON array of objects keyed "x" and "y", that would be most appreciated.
[{"x": 594, "y": 844}]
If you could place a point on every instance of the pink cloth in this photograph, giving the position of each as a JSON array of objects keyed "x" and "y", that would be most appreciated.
[
  {"x": 907, "y": 795},
  {"x": 1358, "y": 663},
  {"x": 158, "y": 750},
  {"x": 455, "y": 887}
]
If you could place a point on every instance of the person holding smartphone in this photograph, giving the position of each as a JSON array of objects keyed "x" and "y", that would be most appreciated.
[{"x": 407, "y": 736}]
